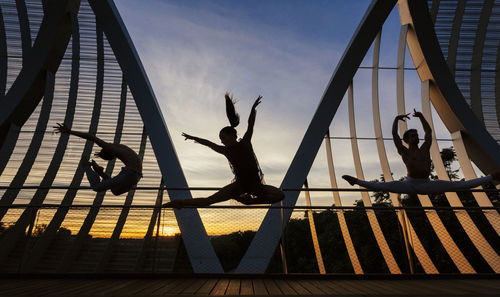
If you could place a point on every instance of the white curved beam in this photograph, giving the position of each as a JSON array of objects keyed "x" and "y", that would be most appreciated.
[
  {"x": 200, "y": 251},
  {"x": 351, "y": 251}
]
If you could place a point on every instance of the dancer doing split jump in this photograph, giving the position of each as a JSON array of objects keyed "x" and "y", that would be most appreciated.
[
  {"x": 418, "y": 164},
  {"x": 248, "y": 187}
]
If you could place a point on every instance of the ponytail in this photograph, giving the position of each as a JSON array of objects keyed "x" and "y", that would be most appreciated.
[{"x": 233, "y": 117}]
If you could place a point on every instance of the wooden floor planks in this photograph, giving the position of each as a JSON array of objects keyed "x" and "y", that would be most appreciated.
[{"x": 272, "y": 286}]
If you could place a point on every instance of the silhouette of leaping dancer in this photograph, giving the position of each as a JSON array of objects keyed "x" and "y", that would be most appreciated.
[
  {"x": 418, "y": 164},
  {"x": 248, "y": 187},
  {"x": 128, "y": 177}
]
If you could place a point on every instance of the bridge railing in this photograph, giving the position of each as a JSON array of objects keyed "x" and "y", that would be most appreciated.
[{"x": 409, "y": 239}]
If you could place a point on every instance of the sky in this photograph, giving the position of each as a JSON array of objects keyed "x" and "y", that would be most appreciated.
[{"x": 194, "y": 51}]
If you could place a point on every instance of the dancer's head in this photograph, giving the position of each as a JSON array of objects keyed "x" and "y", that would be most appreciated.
[
  {"x": 228, "y": 134},
  {"x": 105, "y": 154},
  {"x": 411, "y": 137}
]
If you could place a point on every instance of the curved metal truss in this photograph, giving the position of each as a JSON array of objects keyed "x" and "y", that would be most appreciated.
[{"x": 73, "y": 61}]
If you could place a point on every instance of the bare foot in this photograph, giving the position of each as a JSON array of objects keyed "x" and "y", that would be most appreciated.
[
  {"x": 173, "y": 204},
  {"x": 96, "y": 167},
  {"x": 350, "y": 179}
]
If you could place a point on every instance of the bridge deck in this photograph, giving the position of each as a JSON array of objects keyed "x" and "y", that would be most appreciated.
[{"x": 216, "y": 286}]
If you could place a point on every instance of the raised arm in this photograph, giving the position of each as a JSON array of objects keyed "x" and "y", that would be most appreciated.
[
  {"x": 63, "y": 128},
  {"x": 251, "y": 119},
  {"x": 215, "y": 147},
  {"x": 427, "y": 129},
  {"x": 395, "y": 135}
]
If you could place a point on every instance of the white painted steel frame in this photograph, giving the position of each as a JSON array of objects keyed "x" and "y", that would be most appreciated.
[
  {"x": 477, "y": 238},
  {"x": 351, "y": 251},
  {"x": 200, "y": 251},
  {"x": 265, "y": 241}
]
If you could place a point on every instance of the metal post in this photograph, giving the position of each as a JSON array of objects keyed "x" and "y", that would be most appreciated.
[
  {"x": 406, "y": 237},
  {"x": 282, "y": 243}
]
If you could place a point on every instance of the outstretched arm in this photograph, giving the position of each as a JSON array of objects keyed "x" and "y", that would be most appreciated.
[
  {"x": 215, "y": 147},
  {"x": 427, "y": 129},
  {"x": 63, "y": 128},
  {"x": 251, "y": 119},
  {"x": 395, "y": 136}
]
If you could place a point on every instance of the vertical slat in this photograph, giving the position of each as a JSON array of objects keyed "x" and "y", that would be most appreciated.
[
  {"x": 115, "y": 236},
  {"x": 201, "y": 253},
  {"x": 149, "y": 233},
  {"x": 24, "y": 27},
  {"x": 414, "y": 240},
  {"x": 314, "y": 235},
  {"x": 351, "y": 251},
  {"x": 48, "y": 179},
  {"x": 434, "y": 9},
  {"x": 75, "y": 248},
  {"x": 9, "y": 241},
  {"x": 444, "y": 236},
  {"x": 29, "y": 159},
  {"x": 372, "y": 218},
  {"x": 377, "y": 125},
  {"x": 3, "y": 58},
  {"x": 477, "y": 59},
  {"x": 400, "y": 76},
  {"x": 451, "y": 58},
  {"x": 463, "y": 217},
  {"x": 66, "y": 260},
  {"x": 497, "y": 86}
]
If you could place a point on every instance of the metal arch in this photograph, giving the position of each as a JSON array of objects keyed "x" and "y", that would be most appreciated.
[
  {"x": 351, "y": 251},
  {"x": 77, "y": 177},
  {"x": 24, "y": 28},
  {"x": 400, "y": 76},
  {"x": 84, "y": 230},
  {"x": 445, "y": 95},
  {"x": 46, "y": 55},
  {"x": 27, "y": 90},
  {"x": 469, "y": 173},
  {"x": 384, "y": 162},
  {"x": 434, "y": 9},
  {"x": 200, "y": 251},
  {"x": 451, "y": 58},
  {"x": 3, "y": 58},
  {"x": 314, "y": 234},
  {"x": 418, "y": 248},
  {"x": 266, "y": 239},
  {"x": 47, "y": 237},
  {"x": 477, "y": 59},
  {"x": 10, "y": 239},
  {"x": 481, "y": 244},
  {"x": 440, "y": 230},
  {"x": 155, "y": 220},
  {"x": 497, "y": 84},
  {"x": 392, "y": 265},
  {"x": 70, "y": 254}
]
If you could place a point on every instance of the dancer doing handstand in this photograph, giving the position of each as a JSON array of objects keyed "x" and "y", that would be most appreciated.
[
  {"x": 247, "y": 187},
  {"x": 418, "y": 164},
  {"x": 99, "y": 181}
]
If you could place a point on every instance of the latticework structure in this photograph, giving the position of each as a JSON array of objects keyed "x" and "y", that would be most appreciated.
[{"x": 73, "y": 61}]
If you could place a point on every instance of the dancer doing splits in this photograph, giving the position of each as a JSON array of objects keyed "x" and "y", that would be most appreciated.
[
  {"x": 247, "y": 187},
  {"x": 99, "y": 181},
  {"x": 418, "y": 164}
]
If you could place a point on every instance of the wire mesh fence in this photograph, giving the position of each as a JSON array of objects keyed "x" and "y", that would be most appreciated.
[{"x": 316, "y": 239}]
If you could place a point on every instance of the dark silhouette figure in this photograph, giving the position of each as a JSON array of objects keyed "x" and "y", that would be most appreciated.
[
  {"x": 418, "y": 164},
  {"x": 128, "y": 177},
  {"x": 247, "y": 187}
]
